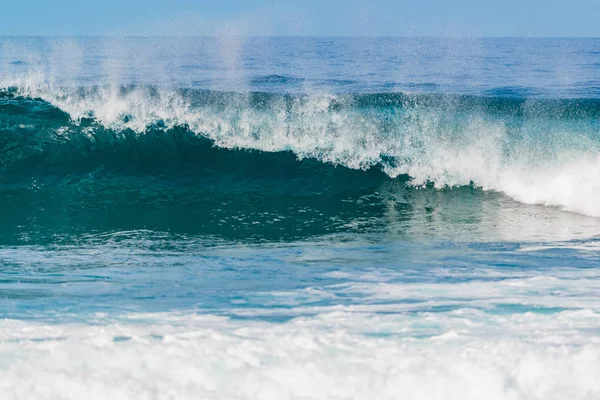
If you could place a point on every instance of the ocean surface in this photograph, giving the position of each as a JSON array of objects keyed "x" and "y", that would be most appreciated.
[{"x": 299, "y": 218}]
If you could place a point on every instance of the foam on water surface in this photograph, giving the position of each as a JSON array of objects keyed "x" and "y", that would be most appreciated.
[
  {"x": 317, "y": 320},
  {"x": 464, "y": 354}
]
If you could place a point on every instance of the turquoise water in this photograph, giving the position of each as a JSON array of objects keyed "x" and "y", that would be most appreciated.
[{"x": 299, "y": 218}]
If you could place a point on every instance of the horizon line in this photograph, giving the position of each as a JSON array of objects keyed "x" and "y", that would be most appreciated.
[{"x": 290, "y": 36}]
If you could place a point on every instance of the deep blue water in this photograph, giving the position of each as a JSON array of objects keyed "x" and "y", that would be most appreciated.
[
  {"x": 299, "y": 218},
  {"x": 560, "y": 68}
]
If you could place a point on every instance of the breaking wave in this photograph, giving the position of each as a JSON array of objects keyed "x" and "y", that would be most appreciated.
[{"x": 537, "y": 151}]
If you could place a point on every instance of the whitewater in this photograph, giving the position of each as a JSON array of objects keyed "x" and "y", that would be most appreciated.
[{"x": 551, "y": 158}]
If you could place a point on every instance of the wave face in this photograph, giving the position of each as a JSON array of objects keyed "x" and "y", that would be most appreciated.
[{"x": 537, "y": 151}]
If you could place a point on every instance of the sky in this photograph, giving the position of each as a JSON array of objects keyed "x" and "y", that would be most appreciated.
[{"x": 462, "y": 18}]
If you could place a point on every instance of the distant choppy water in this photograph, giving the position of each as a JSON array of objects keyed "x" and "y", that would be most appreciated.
[{"x": 297, "y": 218}]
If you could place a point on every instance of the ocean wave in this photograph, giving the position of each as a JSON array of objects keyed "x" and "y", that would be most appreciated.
[{"x": 534, "y": 150}]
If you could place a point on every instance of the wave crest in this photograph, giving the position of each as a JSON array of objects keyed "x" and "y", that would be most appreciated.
[{"x": 536, "y": 151}]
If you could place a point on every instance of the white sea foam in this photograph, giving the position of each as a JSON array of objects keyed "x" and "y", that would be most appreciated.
[
  {"x": 463, "y": 330},
  {"x": 337, "y": 355},
  {"x": 412, "y": 340},
  {"x": 557, "y": 164}
]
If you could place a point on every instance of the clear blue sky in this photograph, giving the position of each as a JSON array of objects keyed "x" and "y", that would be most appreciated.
[{"x": 302, "y": 17}]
